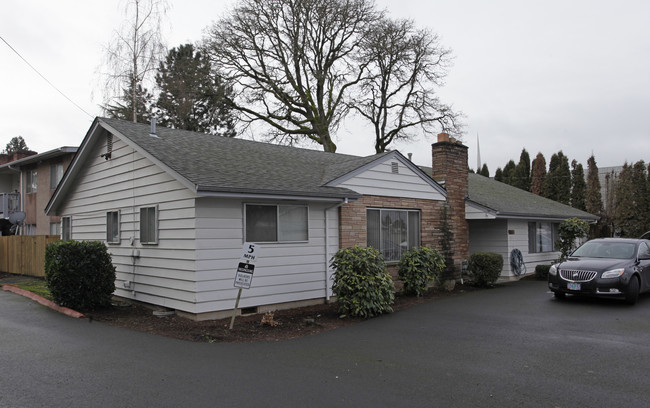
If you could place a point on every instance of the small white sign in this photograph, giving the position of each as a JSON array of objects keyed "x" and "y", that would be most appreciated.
[
  {"x": 249, "y": 252},
  {"x": 244, "y": 276}
]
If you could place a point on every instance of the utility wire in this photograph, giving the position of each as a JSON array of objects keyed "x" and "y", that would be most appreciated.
[{"x": 46, "y": 80}]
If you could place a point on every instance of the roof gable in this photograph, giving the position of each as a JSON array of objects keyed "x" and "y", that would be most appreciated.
[{"x": 215, "y": 165}]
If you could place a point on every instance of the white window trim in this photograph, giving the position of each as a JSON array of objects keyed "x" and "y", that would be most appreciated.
[
  {"x": 156, "y": 223},
  {"x": 69, "y": 218},
  {"x": 277, "y": 223},
  {"x": 118, "y": 239}
]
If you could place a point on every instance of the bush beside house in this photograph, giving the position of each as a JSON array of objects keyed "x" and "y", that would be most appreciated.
[
  {"x": 361, "y": 283},
  {"x": 485, "y": 267},
  {"x": 79, "y": 274}
]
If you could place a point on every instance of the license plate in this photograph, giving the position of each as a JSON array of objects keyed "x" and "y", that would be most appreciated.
[{"x": 573, "y": 286}]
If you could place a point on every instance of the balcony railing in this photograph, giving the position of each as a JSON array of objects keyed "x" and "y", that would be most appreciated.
[{"x": 9, "y": 204}]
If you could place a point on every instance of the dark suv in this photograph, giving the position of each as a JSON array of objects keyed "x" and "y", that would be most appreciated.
[{"x": 607, "y": 267}]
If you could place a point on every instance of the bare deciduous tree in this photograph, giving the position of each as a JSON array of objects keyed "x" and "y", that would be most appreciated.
[
  {"x": 291, "y": 62},
  {"x": 398, "y": 95},
  {"x": 132, "y": 58}
]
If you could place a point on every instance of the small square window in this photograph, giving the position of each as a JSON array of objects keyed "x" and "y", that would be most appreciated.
[
  {"x": 149, "y": 225},
  {"x": 113, "y": 227}
]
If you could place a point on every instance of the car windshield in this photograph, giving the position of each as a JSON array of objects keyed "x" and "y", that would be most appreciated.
[{"x": 600, "y": 249}]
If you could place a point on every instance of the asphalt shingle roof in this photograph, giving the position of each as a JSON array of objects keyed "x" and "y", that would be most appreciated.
[
  {"x": 509, "y": 201},
  {"x": 512, "y": 201},
  {"x": 221, "y": 164}
]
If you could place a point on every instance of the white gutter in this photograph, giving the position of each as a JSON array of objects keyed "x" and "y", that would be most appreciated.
[{"x": 327, "y": 250}]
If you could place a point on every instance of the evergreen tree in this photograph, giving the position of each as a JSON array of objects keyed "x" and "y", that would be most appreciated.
[
  {"x": 593, "y": 196},
  {"x": 509, "y": 172},
  {"x": 624, "y": 216},
  {"x": 498, "y": 175},
  {"x": 538, "y": 174},
  {"x": 578, "y": 186},
  {"x": 122, "y": 107},
  {"x": 16, "y": 144},
  {"x": 484, "y": 171},
  {"x": 190, "y": 98},
  {"x": 557, "y": 183},
  {"x": 521, "y": 174}
]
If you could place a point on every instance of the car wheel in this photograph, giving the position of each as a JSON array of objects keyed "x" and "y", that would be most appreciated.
[
  {"x": 559, "y": 295},
  {"x": 632, "y": 291}
]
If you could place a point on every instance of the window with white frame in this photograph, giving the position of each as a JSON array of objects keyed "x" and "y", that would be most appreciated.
[
  {"x": 31, "y": 182},
  {"x": 276, "y": 223},
  {"x": 542, "y": 237},
  {"x": 392, "y": 231},
  {"x": 113, "y": 227},
  {"x": 66, "y": 228},
  {"x": 149, "y": 225},
  {"x": 56, "y": 174}
]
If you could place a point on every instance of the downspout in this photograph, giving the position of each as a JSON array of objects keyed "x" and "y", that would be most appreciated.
[
  {"x": 20, "y": 228},
  {"x": 327, "y": 249}
]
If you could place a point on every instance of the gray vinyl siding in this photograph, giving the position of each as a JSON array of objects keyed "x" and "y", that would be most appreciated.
[
  {"x": 381, "y": 181},
  {"x": 284, "y": 272},
  {"x": 501, "y": 236},
  {"x": 164, "y": 273}
]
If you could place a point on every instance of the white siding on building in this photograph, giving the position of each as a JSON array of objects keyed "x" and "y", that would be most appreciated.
[
  {"x": 382, "y": 181},
  {"x": 501, "y": 236},
  {"x": 284, "y": 272},
  {"x": 163, "y": 274}
]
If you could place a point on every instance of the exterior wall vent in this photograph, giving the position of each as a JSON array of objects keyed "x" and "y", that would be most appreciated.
[
  {"x": 394, "y": 167},
  {"x": 109, "y": 147}
]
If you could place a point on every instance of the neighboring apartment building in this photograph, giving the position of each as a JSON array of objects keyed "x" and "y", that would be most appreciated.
[{"x": 27, "y": 181}]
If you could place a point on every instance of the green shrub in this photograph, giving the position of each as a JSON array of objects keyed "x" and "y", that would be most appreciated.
[
  {"x": 485, "y": 267},
  {"x": 541, "y": 271},
  {"x": 79, "y": 274},
  {"x": 418, "y": 268},
  {"x": 361, "y": 283}
]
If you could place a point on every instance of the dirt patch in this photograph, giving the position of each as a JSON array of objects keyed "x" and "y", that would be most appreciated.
[{"x": 278, "y": 325}]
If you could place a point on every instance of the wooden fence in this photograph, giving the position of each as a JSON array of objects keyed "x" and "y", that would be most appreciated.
[{"x": 24, "y": 254}]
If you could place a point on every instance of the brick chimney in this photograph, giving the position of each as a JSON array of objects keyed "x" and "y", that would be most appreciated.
[
  {"x": 21, "y": 154},
  {"x": 449, "y": 163}
]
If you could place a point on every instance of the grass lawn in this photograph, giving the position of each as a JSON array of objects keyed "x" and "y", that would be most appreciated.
[{"x": 37, "y": 286}]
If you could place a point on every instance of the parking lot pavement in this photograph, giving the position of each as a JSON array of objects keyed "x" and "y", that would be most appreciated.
[{"x": 509, "y": 346}]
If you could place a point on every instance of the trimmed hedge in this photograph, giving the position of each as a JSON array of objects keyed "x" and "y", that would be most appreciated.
[
  {"x": 79, "y": 274},
  {"x": 541, "y": 271},
  {"x": 361, "y": 283},
  {"x": 486, "y": 267},
  {"x": 418, "y": 268}
]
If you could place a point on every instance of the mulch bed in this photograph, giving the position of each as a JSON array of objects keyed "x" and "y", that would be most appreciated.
[{"x": 278, "y": 325}]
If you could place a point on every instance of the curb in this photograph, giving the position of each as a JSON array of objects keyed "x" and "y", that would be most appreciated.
[{"x": 33, "y": 296}]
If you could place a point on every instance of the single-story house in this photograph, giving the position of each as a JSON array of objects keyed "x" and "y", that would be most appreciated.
[
  {"x": 503, "y": 218},
  {"x": 175, "y": 208}
]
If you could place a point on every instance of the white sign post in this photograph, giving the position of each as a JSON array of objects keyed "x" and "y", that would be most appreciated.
[{"x": 244, "y": 275}]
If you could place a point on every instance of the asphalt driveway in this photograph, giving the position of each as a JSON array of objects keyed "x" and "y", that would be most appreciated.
[{"x": 509, "y": 346}]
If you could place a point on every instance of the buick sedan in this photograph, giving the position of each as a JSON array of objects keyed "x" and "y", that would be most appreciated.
[{"x": 606, "y": 267}]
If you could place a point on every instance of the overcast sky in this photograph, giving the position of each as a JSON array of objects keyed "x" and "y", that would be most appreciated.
[{"x": 570, "y": 75}]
